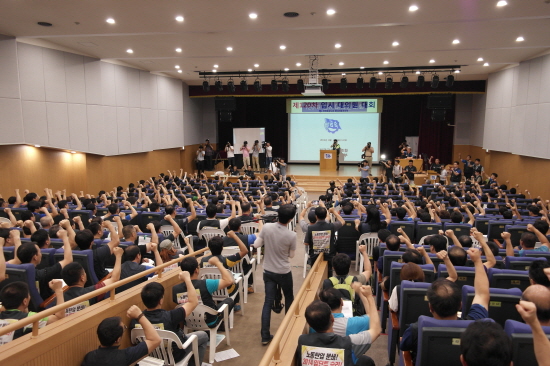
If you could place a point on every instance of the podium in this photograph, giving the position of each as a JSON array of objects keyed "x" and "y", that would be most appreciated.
[{"x": 327, "y": 160}]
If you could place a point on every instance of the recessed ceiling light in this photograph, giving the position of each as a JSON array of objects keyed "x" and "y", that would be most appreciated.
[
  {"x": 337, "y": 45},
  {"x": 502, "y": 3},
  {"x": 343, "y": 74},
  {"x": 216, "y": 66},
  {"x": 520, "y": 39},
  {"x": 178, "y": 49},
  {"x": 432, "y": 61},
  {"x": 36, "y": 145},
  {"x": 456, "y": 41},
  {"x": 179, "y": 18},
  {"x": 180, "y": 71},
  {"x": 214, "y": 70},
  {"x": 298, "y": 64},
  {"x": 380, "y": 72},
  {"x": 413, "y": 8},
  {"x": 331, "y": 11},
  {"x": 177, "y": 66},
  {"x": 286, "y": 68},
  {"x": 480, "y": 59},
  {"x": 395, "y": 43},
  {"x": 249, "y": 70},
  {"x": 341, "y": 63},
  {"x": 229, "y": 48},
  {"x": 457, "y": 71},
  {"x": 386, "y": 62},
  {"x": 73, "y": 152},
  {"x": 110, "y": 21},
  {"x": 252, "y": 15},
  {"x": 283, "y": 47},
  {"x": 256, "y": 65},
  {"x": 129, "y": 50},
  {"x": 362, "y": 67},
  {"x": 418, "y": 73},
  {"x": 486, "y": 64}
]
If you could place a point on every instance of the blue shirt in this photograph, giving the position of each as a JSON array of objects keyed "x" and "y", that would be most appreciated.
[{"x": 542, "y": 248}]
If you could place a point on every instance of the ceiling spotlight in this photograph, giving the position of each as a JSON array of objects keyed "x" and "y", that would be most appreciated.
[
  {"x": 432, "y": 61},
  {"x": 215, "y": 66},
  {"x": 502, "y": 3},
  {"x": 486, "y": 64},
  {"x": 178, "y": 49},
  {"x": 229, "y": 49},
  {"x": 129, "y": 50},
  {"x": 110, "y": 21},
  {"x": 325, "y": 84},
  {"x": 256, "y": 65},
  {"x": 219, "y": 85},
  {"x": 457, "y": 71},
  {"x": 395, "y": 43},
  {"x": 252, "y": 15},
  {"x": 177, "y": 66},
  {"x": 282, "y": 47},
  {"x": 258, "y": 85},
  {"x": 331, "y": 12},
  {"x": 286, "y": 68},
  {"x": 380, "y": 73},
  {"x": 372, "y": 82},
  {"x": 450, "y": 81},
  {"x": 205, "y": 86},
  {"x": 244, "y": 85},
  {"x": 404, "y": 82},
  {"x": 413, "y": 8},
  {"x": 300, "y": 85},
  {"x": 435, "y": 81},
  {"x": 420, "y": 81},
  {"x": 480, "y": 59},
  {"x": 389, "y": 82},
  {"x": 36, "y": 145},
  {"x": 273, "y": 85},
  {"x": 285, "y": 86},
  {"x": 386, "y": 62},
  {"x": 214, "y": 70},
  {"x": 362, "y": 67},
  {"x": 341, "y": 63},
  {"x": 180, "y": 71},
  {"x": 231, "y": 86},
  {"x": 343, "y": 83},
  {"x": 520, "y": 39},
  {"x": 337, "y": 45},
  {"x": 298, "y": 64},
  {"x": 360, "y": 83},
  {"x": 456, "y": 41},
  {"x": 179, "y": 18},
  {"x": 418, "y": 73},
  {"x": 249, "y": 70}
]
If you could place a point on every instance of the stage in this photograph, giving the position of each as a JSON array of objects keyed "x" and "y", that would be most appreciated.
[{"x": 346, "y": 171}]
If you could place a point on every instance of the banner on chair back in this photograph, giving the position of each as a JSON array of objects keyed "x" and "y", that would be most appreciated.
[
  {"x": 317, "y": 356},
  {"x": 371, "y": 105}
]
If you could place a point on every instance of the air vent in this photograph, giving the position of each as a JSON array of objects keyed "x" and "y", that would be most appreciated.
[
  {"x": 44, "y": 24},
  {"x": 291, "y": 14}
]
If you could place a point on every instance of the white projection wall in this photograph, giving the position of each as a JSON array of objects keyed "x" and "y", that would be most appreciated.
[{"x": 308, "y": 135}]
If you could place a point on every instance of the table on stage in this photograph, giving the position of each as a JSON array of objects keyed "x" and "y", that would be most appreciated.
[{"x": 327, "y": 160}]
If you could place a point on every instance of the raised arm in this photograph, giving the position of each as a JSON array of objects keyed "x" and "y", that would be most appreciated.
[
  {"x": 528, "y": 312},
  {"x": 66, "y": 224},
  {"x": 115, "y": 241},
  {"x": 77, "y": 200},
  {"x": 509, "y": 248},
  {"x": 367, "y": 267},
  {"x": 491, "y": 260},
  {"x": 12, "y": 218},
  {"x": 227, "y": 279},
  {"x": 115, "y": 274},
  {"x": 2, "y": 261},
  {"x": 67, "y": 251},
  {"x": 451, "y": 234},
  {"x": 243, "y": 249},
  {"x": 540, "y": 236},
  {"x": 481, "y": 282},
  {"x": 152, "y": 339},
  {"x": 170, "y": 219},
  {"x": 193, "y": 299},
  {"x": 442, "y": 254},
  {"x": 471, "y": 217},
  {"x": 337, "y": 215},
  {"x": 57, "y": 287}
]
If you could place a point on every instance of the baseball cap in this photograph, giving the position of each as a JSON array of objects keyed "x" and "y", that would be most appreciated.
[{"x": 166, "y": 244}]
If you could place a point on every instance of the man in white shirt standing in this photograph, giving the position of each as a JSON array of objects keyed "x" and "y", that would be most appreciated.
[
  {"x": 280, "y": 245},
  {"x": 230, "y": 154},
  {"x": 268, "y": 155}
]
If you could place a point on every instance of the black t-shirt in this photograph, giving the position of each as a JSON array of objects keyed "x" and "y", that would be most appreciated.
[
  {"x": 409, "y": 171},
  {"x": 320, "y": 238},
  {"x": 112, "y": 356},
  {"x": 101, "y": 254},
  {"x": 74, "y": 292},
  {"x": 44, "y": 276},
  {"x": 437, "y": 168}
]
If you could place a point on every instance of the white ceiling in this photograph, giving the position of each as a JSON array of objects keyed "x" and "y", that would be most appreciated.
[{"x": 364, "y": 28}]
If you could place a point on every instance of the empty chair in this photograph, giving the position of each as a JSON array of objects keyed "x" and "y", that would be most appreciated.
[
  {"x": 148, "y": 217},
  {"x": 406, "y": 226},
  {"x": 466, "y": 275},
  {"x": 523, "y": 352},
  {"x": 424, "y": 229},
  {"x": 497, "y": 227},
  {"x": 207, "y": 233},
  {"x": 370, "y": 240},
  {"x": 482, "y": 224},
  {"x": 459, "y": 229},
  {"x": 164, "y": 351},
  {"x": 520, "y": 263},
  {"x": 502, "y": 303},
  {"x": 390, "y": 256},
  {"x": 508, "y": 278}
]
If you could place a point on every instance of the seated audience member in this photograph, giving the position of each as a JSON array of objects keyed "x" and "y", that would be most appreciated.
[
  {"x": 30, "y": 253},
  {"x": 75, "y": 277},
  {"x": 15, "y": 298},
  {"x": 85, "y": 239},
  {"x": 211, "y": 221},
  {"x": 527, "y": 242},
  {"x": 344, "y": 326},
  {"x": 537, "y": 275},
  {"x": 393, "y": 243},
  {"x": 179, "y": 225},
  {"x": 110, "y": 332},
  {"x": 485, "y": 343},
  {"x": 490, "y": 250},
  {"x": 152, "y": 296},
  {"x": 41, "y": 238},
  {"x": 206, "y": 287},
  {"x": 383, "y": 234},
  {"x": 445, "y": 300},
  {"x": 319, "y": 317},
  {"x": 540, "y": 296},
  {"x": 168, "y": 252},
  {"x": 409, "y": 272},
  {"x": 133, "y": 264},
  {"x": 529, "y": 313}
]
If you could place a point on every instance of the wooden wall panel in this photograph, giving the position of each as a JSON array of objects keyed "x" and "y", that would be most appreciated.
[{"x": 528, "y": 172}]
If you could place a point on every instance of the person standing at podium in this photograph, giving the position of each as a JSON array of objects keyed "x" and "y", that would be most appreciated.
[{"x": 336, "y": 146}]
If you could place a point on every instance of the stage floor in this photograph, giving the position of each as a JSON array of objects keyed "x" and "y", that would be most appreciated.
[{"x": 313, "y": 170}]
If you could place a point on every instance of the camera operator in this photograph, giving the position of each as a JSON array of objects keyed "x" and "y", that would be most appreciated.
[
  {"x": 256, "y": 156},
  {"x": 268, "y": 154},
  {"x": 367, "y": 153},
  {"x": 200, "y": 160},
  {"x": 364, "y": 168},
  {"x": 230, "y": 154},
  {"x": 246, "y": 154}
]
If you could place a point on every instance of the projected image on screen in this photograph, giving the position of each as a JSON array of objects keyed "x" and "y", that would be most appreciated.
[{"x": 310, "y": 133}]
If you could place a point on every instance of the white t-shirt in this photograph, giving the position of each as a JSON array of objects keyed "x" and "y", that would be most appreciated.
[
  {"x": 200, "y": 155},
  {"x": 268, "y": 150},
  {"x": 230, "y": 152},
  {"x": 278, "y": 242}
]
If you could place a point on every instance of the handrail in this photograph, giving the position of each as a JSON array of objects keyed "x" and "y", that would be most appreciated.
[
  {"x": 274, "y": 350},
  {"x": 34, "y": 319}
]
